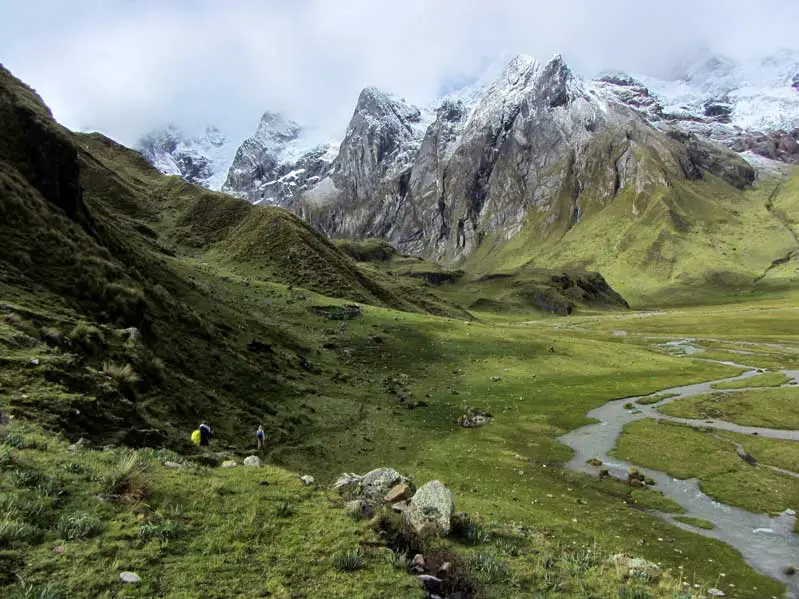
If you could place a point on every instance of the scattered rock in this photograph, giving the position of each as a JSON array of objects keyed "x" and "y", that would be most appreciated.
[
  {"x": 173, "y": 465},
  {"x": 346, "y": 312},
  {"x": 358, "y": 509},
  {"x": 35, "y": 362},
  {"x": 308, "y": 480},
  {"x": 58, "y": 550},
  {"x": 594, "y": 462},
  {"x": 430, "y": 584},
  {"x": 715, "y": 592},
  {"x": 444, "y": 570},
  {"x": 229, "y": 464},
  {"x": 79, "y": 444},
  {"x": 398, "y": 493},
  {"x": 252, "y": 460},
  {"x": 431, "y": 508},
  {"x": 474, "y": 417},
  {"x": 418, "y": 565},
  {"x": 635, "y": 567},
  {"x": 496, "y": 379},
  {"x": 129, "y": 577},
  {"x": 789, "y": 570}
]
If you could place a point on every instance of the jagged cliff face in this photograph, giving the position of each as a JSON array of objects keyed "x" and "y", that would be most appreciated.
[{"x": 538, "y": 147}]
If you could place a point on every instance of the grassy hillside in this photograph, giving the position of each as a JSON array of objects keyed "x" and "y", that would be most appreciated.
[{"x": 693, "y": 242}]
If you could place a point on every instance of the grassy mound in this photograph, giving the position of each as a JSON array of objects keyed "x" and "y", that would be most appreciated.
[{"x": 770, "y": 408}]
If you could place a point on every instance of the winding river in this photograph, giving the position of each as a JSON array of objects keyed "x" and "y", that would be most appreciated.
[{"x": 767, "y": 543}]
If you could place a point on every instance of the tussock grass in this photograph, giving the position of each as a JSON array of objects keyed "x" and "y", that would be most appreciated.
[
  {"x": 123, "y": 375},
  {"x": 78, "y": 525},
  {"x": 349, "y": 560}
]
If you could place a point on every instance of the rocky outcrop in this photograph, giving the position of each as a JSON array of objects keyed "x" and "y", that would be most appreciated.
[{"x": 776, "y": 145}]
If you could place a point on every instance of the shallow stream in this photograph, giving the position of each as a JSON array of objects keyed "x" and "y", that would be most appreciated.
[{"x": 767, "y": 543}]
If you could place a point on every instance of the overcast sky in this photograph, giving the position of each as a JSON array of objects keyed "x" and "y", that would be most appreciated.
[{"x": 125, "y": 66}]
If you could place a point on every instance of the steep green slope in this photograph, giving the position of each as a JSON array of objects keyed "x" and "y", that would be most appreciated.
[{"x": 692, "y": 241}]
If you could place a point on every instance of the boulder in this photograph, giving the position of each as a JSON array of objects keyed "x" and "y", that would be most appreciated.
[
  {"x": 399, "y": 492},
  {"x": 229, "y": 464},
  {"x": 129, "y": 577},
  {"x": 431, "y": 508},
  {"x": 308, "y": 480},
  {"x": 252, "y": 460},
  {"x": 377, "y": 483},
  {"x": 715, "y": 592}
]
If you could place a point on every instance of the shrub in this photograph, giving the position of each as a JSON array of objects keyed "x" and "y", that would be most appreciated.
[
  {"x": 88, "y": 337},
  {"x": 489, "y": 569},
  {"x": 78, "y": 525},
  {"x": 13, "y": 440},
  {"x": 12, "y": 531},
  {"x": 349, "y": 561}
]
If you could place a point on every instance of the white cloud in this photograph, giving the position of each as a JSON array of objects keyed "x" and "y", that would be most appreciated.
[{"x": 123, "y": 67}]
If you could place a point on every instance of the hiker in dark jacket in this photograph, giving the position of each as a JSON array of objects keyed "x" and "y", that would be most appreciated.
[
  {"x": 205, "y": 434},
  {"x": 259, "y": 436}
]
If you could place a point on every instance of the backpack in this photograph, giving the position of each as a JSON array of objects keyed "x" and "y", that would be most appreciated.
[{"x": 195, "y": 437}]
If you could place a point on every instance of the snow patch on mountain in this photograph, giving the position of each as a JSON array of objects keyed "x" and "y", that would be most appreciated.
[{"x": 201, "y": 158}]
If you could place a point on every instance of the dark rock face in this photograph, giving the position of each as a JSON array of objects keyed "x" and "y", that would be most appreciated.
[
  {"x": 776, "y": 145},
  {"x": 718, "y": 109}
]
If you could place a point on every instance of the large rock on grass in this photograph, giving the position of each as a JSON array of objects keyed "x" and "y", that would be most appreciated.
[
  {"x": 377, "y": 483},
  {"x": 431, "y": 509}
]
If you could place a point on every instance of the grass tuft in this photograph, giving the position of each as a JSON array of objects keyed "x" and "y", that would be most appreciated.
[
  {"x": 349, "y": 560},
  {"x": 78, "y": 525}
]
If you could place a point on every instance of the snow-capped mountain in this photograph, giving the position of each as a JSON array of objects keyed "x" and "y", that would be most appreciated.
[
  {"x": 751, "y": 105},
  {"x": 203, "y": 159},
  {"x": 279, "y": 162}
]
